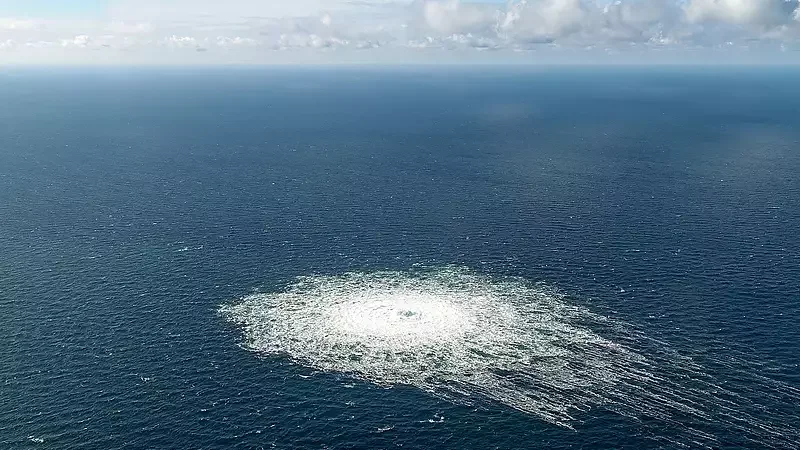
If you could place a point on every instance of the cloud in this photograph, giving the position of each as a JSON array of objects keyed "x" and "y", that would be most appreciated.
[
  {"x": 40, "y": 44},
  {"x": 81, "y": 41},
  {"x": 251, "y": 29},
  {"x": 298, "y": 40},
  {"x": 454, "y": 16},
  {"x": 130, "y": 28},
  {"x": 543, "y": 20},
  {"x": 11, "y": 24},
  {"x": 762, "y": 13},
  {"x": 228, "y": 11},
  {"x": 236, "y": 41},
  {"x": 180, "y": 41}
]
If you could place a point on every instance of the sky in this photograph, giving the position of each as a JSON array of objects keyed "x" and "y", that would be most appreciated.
[{"x": 111, "y": 32}]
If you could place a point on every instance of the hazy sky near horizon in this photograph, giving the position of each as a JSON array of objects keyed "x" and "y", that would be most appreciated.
[{"x": 397, "y": 31}]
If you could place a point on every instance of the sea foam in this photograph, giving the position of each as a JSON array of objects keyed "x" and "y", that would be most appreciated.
[{"x": 466, "y": 337}]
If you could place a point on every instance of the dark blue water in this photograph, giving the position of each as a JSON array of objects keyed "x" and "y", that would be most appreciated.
[{"x": 133, "y": 203}]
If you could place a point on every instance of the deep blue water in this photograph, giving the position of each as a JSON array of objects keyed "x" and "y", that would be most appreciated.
[{"x": 133, "y": 203}]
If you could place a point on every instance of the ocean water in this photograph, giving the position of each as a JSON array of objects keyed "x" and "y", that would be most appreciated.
[{"x": 410, "y": 257}]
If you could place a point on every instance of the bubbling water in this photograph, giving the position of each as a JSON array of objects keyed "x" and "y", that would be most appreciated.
[
  {"x": 450, "y": 332},
  {"x": 465, "y": 337},
  {"x": 400, "y": 319}
]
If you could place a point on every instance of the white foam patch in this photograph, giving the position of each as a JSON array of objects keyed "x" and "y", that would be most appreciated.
[
  {"x": 462, "y": 336},
  {"x": 450, "y": 332}
]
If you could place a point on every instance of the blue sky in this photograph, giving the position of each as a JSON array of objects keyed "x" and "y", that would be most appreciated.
[
  {"x": 397, "y": 31},
  {"x": 52, "y": 8}
]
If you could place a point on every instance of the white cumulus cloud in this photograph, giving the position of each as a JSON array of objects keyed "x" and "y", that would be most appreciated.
[
  {"x": 750, "y": 12},
  {"x": 81, "y": 41}
]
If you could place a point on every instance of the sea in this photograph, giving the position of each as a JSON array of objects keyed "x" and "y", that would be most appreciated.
[{"x": 579, "y": 257}]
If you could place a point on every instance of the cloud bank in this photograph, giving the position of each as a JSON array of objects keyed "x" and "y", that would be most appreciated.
[{"x": 251, "y": 31}]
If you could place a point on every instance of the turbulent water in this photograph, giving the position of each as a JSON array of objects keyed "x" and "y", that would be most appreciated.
[
  {"x": 449, "y": 332},
  {"x": 368, "y": 258},
  {"x": 462, "y": 336}
]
